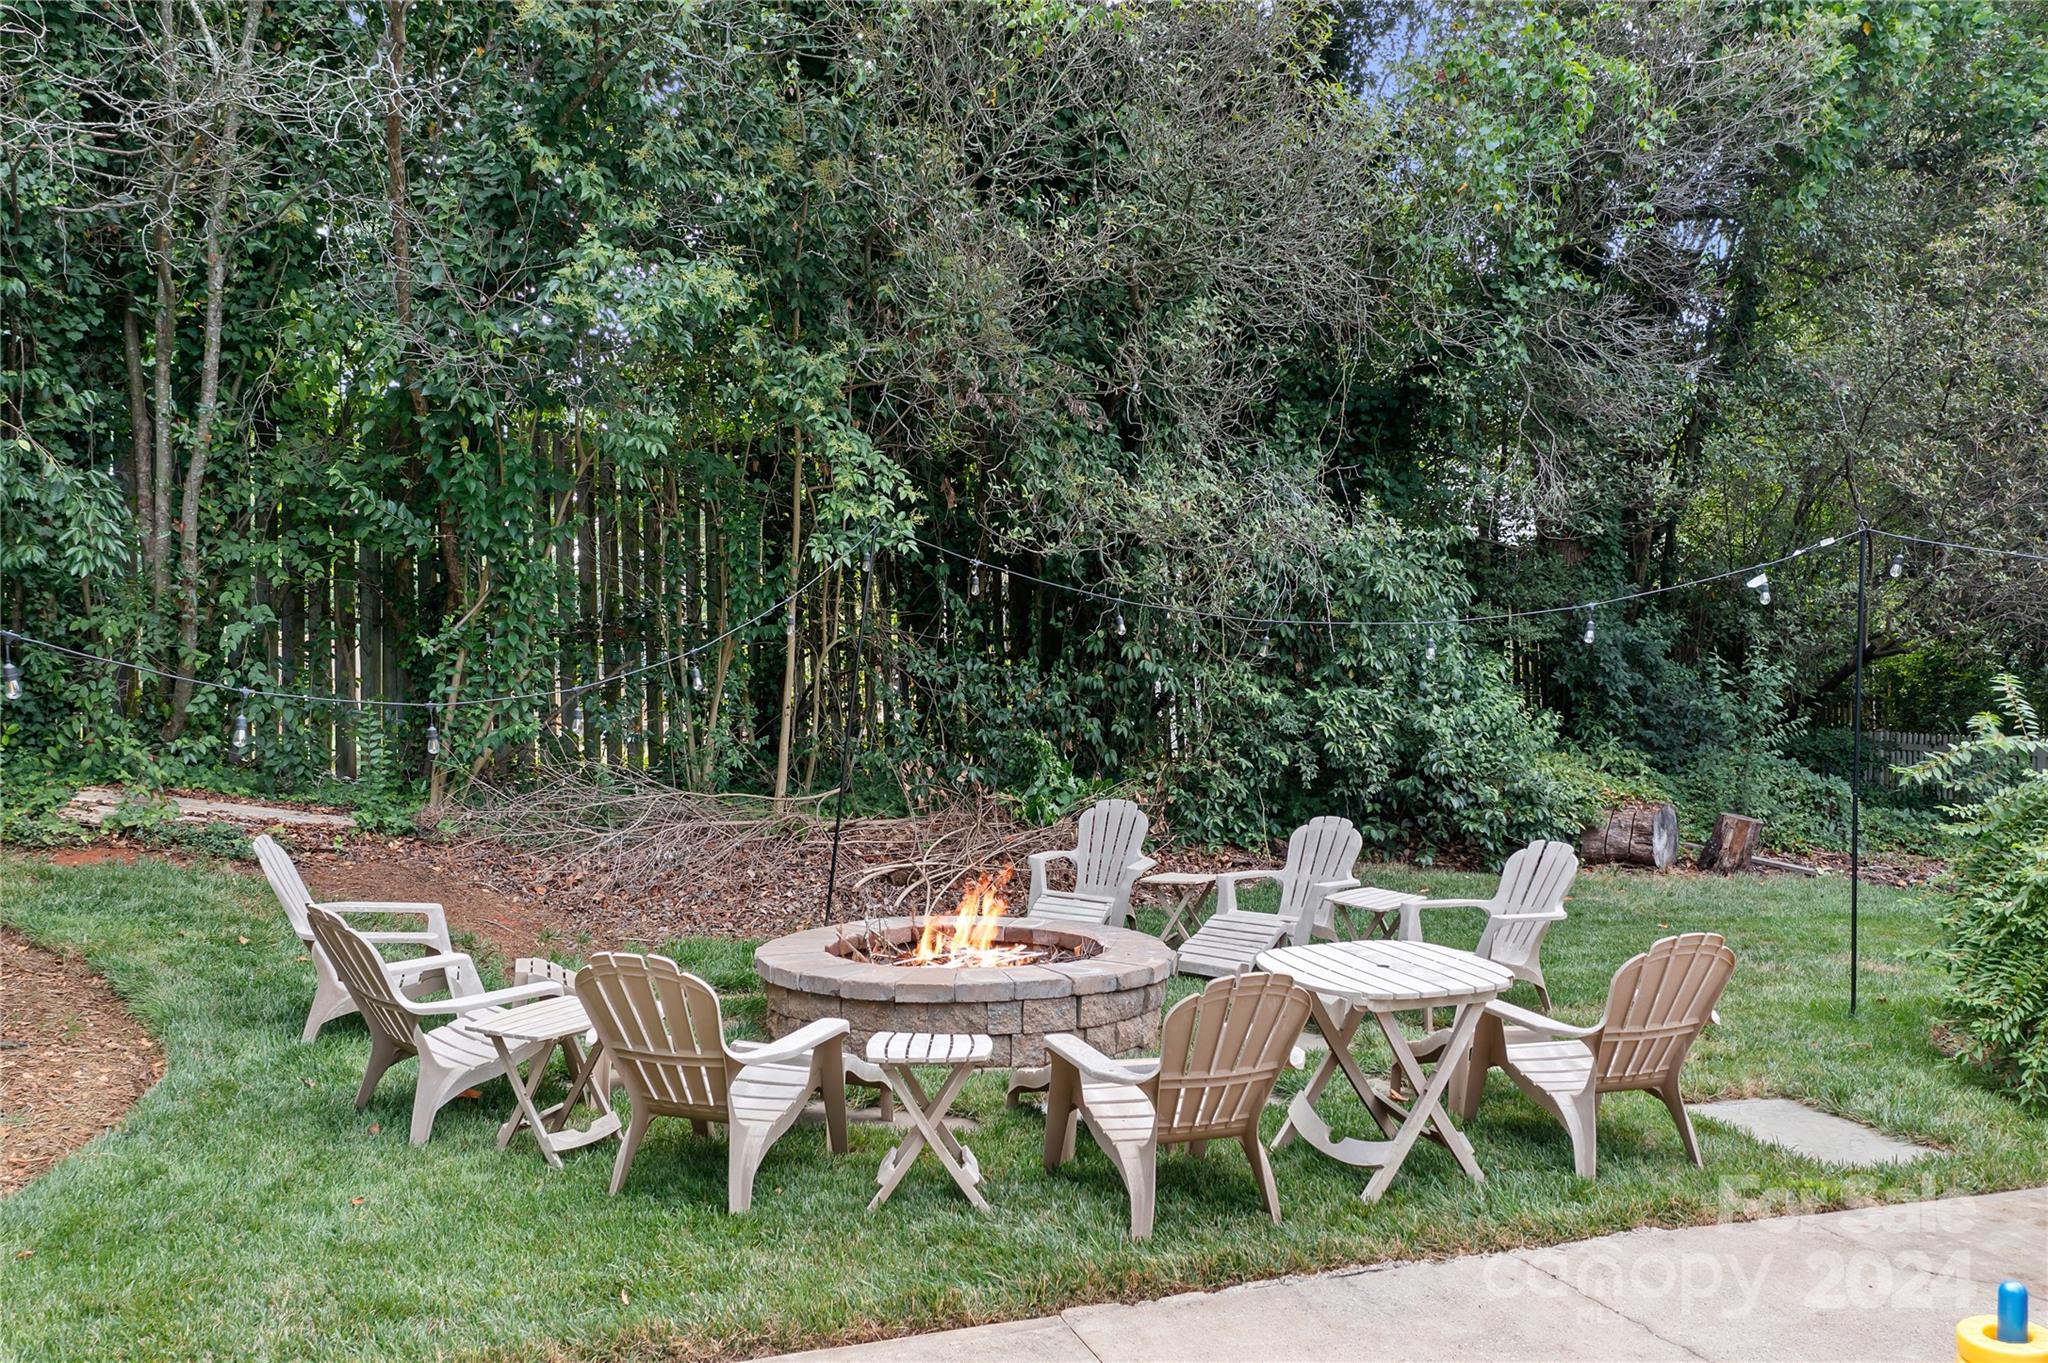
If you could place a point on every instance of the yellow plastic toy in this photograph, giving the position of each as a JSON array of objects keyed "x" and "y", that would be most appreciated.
[{"x": 2007, "y": 1337}]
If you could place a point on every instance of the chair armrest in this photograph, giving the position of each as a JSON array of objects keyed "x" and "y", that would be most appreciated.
[
  {"x": 1411, "y": 914},
  {"x": 436, "y": 916},
  {"x": 1228, "y": 881},
  {"x": 447, "y": 960},
  {"x": 1039, "y": 861},
  {"x": 1540, "y": 916},
  {"x": 796, "y": 1045},
  {"x": 1518, "y": 1016},
  {"x": 1139, "y": 867},
  {"x": 495, "y": 998},
  {"x": 1094, "y": 1064},
  {"x": 415, "y": 939}
]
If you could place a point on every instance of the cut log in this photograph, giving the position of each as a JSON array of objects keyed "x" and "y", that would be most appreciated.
[
  {"x": 1634, "y": 835},
  {"x": 1732, "y": 845}
]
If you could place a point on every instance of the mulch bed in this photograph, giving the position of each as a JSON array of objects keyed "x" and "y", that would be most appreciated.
[{"x": 72, "y": 1059}]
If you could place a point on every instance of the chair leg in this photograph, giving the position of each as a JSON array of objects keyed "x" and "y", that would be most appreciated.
[
  {"x": 383, "y": 1055},
  {"x": 629, "y": 1145},
  {"x": 1262, "y": 1170},
  {"x": 428, "y": 1098},
  {"x": 745, "y": 1148},
  {"x": 1059, "y": 1117},
  {"x": 1543, "y": 993},
  {"x": 1682, "y": 1120},
  {"x": 1139, "y": 1165},
  {"x": 830, "y": 1067},
  {"x": 1581, "y": 1117},
  {"x": 331, "y": 999}
]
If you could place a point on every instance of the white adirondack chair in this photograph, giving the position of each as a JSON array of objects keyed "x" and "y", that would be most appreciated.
[
  {"x": 1656, "y": 1007},
  {"x": 452, "y": 1057},
  {"x": 1109, "y": 858},
  {"x": 330, "y": 999},
  {"x": 664, "y": 1038},
  {"x": 1321, "y": 855},
  {"x": 1529, "y": 900},
  {"x": 1220, "y": 1053}
]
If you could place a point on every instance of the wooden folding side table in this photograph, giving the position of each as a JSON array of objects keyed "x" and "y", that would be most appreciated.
[
  {"x": 558, "y": 1022},
  {"x": 961, "y": 1054},
  {"x": 1382, "y": 909},
  {"x": 1355, "y": 980},
  {"x": 1188, "y": 889}
]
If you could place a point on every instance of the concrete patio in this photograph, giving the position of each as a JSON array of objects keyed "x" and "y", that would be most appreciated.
[{"x": 1876, "y": 1284}]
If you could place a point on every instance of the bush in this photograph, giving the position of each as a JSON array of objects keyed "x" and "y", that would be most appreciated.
[{"x": 1995, "y": 932}]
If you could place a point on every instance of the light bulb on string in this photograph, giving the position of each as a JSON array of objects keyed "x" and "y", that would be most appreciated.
[
  {"x": 10, "y": 675},
  {"x": 1587, "y": 637},
  {"x": 241, "y": 739},
  {"x": 696, "y": 676},
  {"x": 867, "y": 559},
  {"x": 974, "y": 578},
  {"x": 1761, "y": 585},
  {"x": 1266, "y": 643},
  {"x": 1429, "y": 650},
  {"x": 1898, "y": 566},
  {"x": 576, "y": 720},
  {"x": 1121, "y": 628},
  {"x": 433, "y": 740}
]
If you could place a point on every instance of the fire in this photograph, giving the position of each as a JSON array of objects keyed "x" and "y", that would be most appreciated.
[{"x": 968, "y": 938}]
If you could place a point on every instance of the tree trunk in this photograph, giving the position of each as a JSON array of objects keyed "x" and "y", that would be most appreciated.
[
  {"x": 1635, "y": 835},
  {"x": 789, "y": 632},
  {"x": 1732, "y": 845}
]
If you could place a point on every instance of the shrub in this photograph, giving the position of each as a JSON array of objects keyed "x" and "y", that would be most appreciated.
[{"x": 1995, "y": 931}]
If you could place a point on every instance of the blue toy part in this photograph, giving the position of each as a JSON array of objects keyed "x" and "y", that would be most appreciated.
[{"x": 2012, "y": 1312}]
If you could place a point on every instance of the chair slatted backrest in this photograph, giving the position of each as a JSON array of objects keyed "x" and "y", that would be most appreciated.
[
  {"x": 662, "y": 1031},
  {"x": 1220, "y": 1053},
  {"x": 285, "y": 882},
  {"x": 362, "y": 973},
  {"x": 1536, "y": 878},
  {"x": 1656, "y": 1007},
  {"x": 1321, "y": 850},
  {"x": 1112, "y": 836}
]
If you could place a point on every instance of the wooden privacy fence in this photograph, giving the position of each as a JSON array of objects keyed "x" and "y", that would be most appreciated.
[{"x": 1887, "y": 749}]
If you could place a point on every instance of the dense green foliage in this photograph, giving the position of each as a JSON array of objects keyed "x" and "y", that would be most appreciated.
[
  {"x": 436, "y": 351},
  {"x": 1995, "y": 930},
  {"x": 245, "y": 1179}
]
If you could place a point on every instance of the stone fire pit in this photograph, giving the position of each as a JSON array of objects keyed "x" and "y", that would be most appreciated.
[{"x": 1111, "y": 999}]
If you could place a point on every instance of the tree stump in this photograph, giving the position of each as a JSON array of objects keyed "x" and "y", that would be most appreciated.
[
  {"x": 1634, "y": 835},
  {"x": 1732, "y": 845}
]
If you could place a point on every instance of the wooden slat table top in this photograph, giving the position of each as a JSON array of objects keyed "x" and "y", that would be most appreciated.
[
  {"x": 930, "y": 1048},
  {"x": 1390, "y": 974},
  {"x": 546, "y": 1020},
  {"x": 1374, "y": 899}
]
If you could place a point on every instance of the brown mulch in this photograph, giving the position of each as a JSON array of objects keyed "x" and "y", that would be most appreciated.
[
  {"x": 72, "y": 1059},
  {"x": 1900, "y": 870}
]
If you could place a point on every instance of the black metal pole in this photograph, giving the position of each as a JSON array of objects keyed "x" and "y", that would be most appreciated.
[
  {"x": 860, "y": 634},
  {"x": 1856, "y": 761}
]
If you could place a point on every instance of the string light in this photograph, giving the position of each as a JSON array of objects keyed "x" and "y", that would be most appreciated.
[
  {"x": 1761, "y": 585},
  {"x": 1587, "y": 637},
  {"x": 10, "y": 675},
  {"x": 241, "y": 739},
  {"x": 974, "y": 579},
  {"x": 1266, "y": 643},
  {"x": 433, "y": 741},
  {"x": 1429, "y": 650},
  {"x": 696, "y": 676},
  {"x": 1120, "y": 629},
  {"x": 1898, "y": 566}
]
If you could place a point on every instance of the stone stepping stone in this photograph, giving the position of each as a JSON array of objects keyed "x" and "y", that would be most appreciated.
[{"x": 1814, "y": 1134}]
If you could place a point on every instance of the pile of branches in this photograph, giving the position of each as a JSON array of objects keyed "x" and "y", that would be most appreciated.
[{"x": 628, "y": 834}]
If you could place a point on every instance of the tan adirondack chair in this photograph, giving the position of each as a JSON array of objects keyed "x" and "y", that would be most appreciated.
[
  {"x": 1108, "y": 857},
  {"x": 1529, "y": 900},
  {"x": 452, "y": 1057},
  {"x": 331, "y": 999},
  {"x": 1321, "y": 856},
  {"x": 1656, "y": 1007},
  {"x": 1220, "y": 1053},
  {"x": 664, "y": 1038}
]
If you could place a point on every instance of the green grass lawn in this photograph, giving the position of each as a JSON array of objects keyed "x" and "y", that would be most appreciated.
[{"x": 244, "y": 1210}]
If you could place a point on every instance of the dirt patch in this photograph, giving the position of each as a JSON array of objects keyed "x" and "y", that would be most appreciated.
[
  {"x": 72, "y": 1059},
  {"x": 90, "y": 856}
]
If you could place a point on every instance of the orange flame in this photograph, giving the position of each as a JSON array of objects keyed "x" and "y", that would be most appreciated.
[{"x": 968, "y": 938}]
